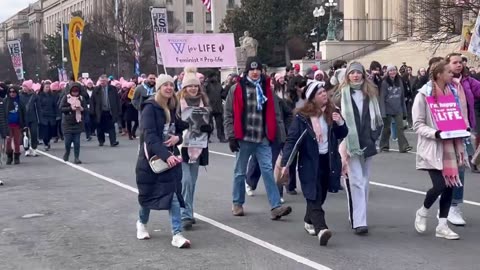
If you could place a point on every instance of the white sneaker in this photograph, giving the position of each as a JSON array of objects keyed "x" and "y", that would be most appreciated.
[
  {"x": 282, "y": 200},
  {"x": 421, "y": 221},
  {"x": 455, "y": 216},
  {"x": 249, "y": 190},
  {"x": 180, "y": 242},
  {"x": 28, "y": 152},
  {"x": 443, "y": 231},
  {"x": 309, "y": 228},
  {"x": 324, "y": 236},
  {"x": 142, "y": 232},
  {"x": 33, "y": 152}
]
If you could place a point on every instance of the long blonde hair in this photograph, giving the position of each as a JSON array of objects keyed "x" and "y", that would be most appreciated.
[{"x": 167, "y": 104}]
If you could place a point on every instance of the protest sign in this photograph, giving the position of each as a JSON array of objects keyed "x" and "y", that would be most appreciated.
[
  {"x": 448, "y": 117},
  {"x": 15, "y": 49},
  {"x": 198, "y": 50},
  {"x": 195, "y": 117}
]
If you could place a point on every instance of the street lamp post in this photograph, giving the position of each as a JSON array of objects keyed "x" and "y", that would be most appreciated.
[
  {"x": 331, "y": 22},
  {"x": 318, "y": 13}
]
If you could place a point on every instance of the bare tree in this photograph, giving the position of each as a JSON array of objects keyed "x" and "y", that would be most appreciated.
[{"x": 439, "y": 21}]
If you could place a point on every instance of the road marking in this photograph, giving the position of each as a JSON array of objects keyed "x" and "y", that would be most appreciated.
[
  {"x": 374, "y": 183},
  {"x": 205, "y": 219}
]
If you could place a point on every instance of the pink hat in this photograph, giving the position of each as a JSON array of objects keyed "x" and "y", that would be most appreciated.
[
  {"x": 314, "y": 68},
  {"x": 200, "y": 75},
  {"x": 319, "y": 72},
  {"x": 55, "y": 86},
  {"x": 62, "y": 85},
  {"x": 140, "y": 80},
  {"x": 27, "y": 84},
  {"x": 278, "y": 76},
  {"x": 296, "y": 67},
  {"x": 36, "y": 87},
  {"x": 128, "y": 85},
  {"x": 116, "y": 83}
]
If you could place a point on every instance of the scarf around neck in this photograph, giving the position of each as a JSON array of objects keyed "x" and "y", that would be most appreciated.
[
  {"x": 453, "y": 149},
  {"x": 261, "y": 99},
  {"x": 148, "y": 88},
  {"x": 193, "y": 152},
  {"x": 74, "y": 103},
  {"x": 376, "y": 122}
]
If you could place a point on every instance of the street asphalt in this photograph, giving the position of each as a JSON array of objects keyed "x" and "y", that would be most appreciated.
[{"x": 61, "y": 216}]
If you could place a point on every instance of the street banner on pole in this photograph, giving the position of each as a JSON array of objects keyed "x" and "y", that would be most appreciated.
[
  {"x": 198, "y": 50},
  {"x": 159, "y": 26},
  {"x": 75, "y": 32},
  {"x": 137, "y": 57},
  {"x": 15, "y": 49}
]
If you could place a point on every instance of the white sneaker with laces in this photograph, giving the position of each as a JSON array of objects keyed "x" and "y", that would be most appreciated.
[
  {"x": 443, "y": 231},
  {"x": 180, "y": 242},
  {"x": 455, "y": 216},
  {"x": 33, "y": 152},
  {"x": 309, "y": 228},
  {"x": 324, "y": 236},
  {"x": 421, "y": 220},
  {"x": 28, "y": 152},
  {"x": 142, "y": 232},
  {"x": 249, "y": 190}
]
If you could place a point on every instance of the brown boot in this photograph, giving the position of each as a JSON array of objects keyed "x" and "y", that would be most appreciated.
[
  {"x": 280, "y": 211},
  {"x": 237, "y": 210}
]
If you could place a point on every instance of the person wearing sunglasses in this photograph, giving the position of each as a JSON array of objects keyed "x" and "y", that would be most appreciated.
[{"x": 16, "y": 122}]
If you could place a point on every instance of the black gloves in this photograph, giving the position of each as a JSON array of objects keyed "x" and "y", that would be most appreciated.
[
  {"x": 233, "y": 144},
  {"x": 206, "y": 128},
  {"x": 437, "y": 134},
  {"x": 404, "y": 117}
]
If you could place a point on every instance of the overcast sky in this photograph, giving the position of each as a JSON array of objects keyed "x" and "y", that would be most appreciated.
[{"x": 10, "y": 7}]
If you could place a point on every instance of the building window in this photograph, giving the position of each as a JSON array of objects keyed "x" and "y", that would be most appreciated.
[
  {"x": 189, "y": 31},
  {"x": 231, "y": 4},
  {"x": 208, "y": 17},
  {"x": 190, "y": 17},
  {"x": 209, "y": 31},
  {"x": 189, "y": 2},
  {"x": 169, "y": 2}
]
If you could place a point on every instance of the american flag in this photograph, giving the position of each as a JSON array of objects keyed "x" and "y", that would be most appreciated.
[{"x": 207, "y": 4}]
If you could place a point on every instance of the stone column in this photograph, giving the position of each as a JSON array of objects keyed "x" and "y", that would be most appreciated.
[
  {"x": 387, "y": 19},
  {"x": 400, "y": 19},
  {"x": 374, "y": 19},
  {"x": 354, "y": 20}
]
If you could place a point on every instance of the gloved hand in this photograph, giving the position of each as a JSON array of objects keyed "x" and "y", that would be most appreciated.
[
  {"x": 404, "y": 117},
  {"x": 206, "y": 128},
  {"x": 233, "y": 144},
  {"x": 437, "y": 134}
]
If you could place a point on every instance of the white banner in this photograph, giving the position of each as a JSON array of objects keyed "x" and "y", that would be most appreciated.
[
  {"x": 474, "y": 46},
  {"x": 159, "y": 25},
  {"x": 15, "y": 49}
]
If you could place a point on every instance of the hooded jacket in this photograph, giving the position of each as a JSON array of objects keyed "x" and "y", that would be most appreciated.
[
  {"x": 10, "y": 105},
  {"x": 69, "y": 121},
  {"x": 32, "y": 106},
  {"x": 3, "y": 119},
  {"x": 48, "y": 109}
]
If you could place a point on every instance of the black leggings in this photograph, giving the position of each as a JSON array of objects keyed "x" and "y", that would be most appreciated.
[
  {"x": 439, "y": 188},
  {"x": 315, "y": 214},
  {"x": 132, "y": 130}
]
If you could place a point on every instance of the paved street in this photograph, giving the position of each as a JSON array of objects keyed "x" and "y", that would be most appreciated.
[{"x": 86, "y": 220}]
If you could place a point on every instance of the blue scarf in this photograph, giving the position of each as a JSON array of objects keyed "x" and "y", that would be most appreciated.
[
  {"x": 148, "y": 88},
  {"x": 261, "y": 99}
]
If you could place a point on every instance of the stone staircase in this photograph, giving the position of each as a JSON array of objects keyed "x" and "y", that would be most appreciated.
[{"x": 415, "y": 54}]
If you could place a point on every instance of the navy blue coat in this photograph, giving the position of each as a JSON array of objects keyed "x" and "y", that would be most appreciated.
[
  {"x": 48, "y": 108},
  {"x": 155, "y": 191},
  {"x": 308, "y": 156}
]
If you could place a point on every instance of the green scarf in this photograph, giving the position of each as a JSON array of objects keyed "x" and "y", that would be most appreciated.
[{"x": 352, "y": 140}]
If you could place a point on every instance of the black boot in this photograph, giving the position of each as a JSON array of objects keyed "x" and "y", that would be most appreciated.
[
  {"x": 16, "y": 158},
  {"x": 9, "y": 158},
  {"x": 66, "y": 156}
]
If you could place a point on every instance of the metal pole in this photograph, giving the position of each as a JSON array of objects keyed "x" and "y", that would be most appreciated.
[
  {"x": 62, "y": 35},
  {"x": 318, "y": 35}
]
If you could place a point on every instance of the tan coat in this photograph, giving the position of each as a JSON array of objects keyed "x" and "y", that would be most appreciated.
[{"x": 429, "y": 149}]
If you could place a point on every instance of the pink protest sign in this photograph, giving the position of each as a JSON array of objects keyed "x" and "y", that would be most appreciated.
[
  {"x": 448, "y": 117},
  {"x": 198, "y": 50}
]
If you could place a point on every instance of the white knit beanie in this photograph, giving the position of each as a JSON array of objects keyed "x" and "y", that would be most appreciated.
[{"x": 190, "y": 77}]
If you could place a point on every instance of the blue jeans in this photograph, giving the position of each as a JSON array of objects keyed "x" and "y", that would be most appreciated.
[
  {"x": 458, "y": 191},
  {"x": 189, "y": 179},
  {"x": 174, "y": 212},
  {"x": 75, "y": 138},
  {"x": 263, "y": 152},
  {"x": 253, "y": 169},
  {"x": 394, "y": 130}
]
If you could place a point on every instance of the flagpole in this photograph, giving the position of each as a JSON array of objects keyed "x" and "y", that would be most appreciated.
[
  {"x": 62, "y": 29},
  {"x": 212, "y": 12}
]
